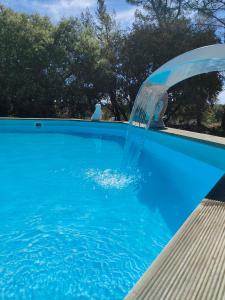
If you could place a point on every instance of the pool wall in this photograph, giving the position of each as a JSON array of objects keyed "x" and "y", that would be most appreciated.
[
  {"x": 207, "y": 148},
  {"x": 55, "y": 125}
]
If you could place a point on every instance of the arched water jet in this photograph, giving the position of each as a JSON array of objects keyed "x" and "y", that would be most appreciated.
[{"x": 151, "y": 101}]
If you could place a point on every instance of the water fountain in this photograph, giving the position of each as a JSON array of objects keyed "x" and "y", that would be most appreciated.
[
  {"x": 151, "y": 102},
  {"x": 152, "y": 99}
]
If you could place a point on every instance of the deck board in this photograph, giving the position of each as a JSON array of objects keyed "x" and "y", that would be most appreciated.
[{"x": 192, "y": 265}]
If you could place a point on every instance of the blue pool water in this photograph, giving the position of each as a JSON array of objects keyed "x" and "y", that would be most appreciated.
[{"x": 74, "y": 224}]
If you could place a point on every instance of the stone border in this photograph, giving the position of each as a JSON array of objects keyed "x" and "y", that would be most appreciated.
[{"x": 200, "y": 137}]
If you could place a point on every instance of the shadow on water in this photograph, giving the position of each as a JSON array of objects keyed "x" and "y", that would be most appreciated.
[
  {"x": 171, "y": 183},
  {"x": 154, "y": 186},
  {"x": 159, "y": 191}
]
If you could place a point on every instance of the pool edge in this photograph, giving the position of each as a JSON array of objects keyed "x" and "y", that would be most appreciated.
[
  {"x": 62, "y": 119},
  {"x": 191, "y": 266},
  {"x": 195, "y": 136}
]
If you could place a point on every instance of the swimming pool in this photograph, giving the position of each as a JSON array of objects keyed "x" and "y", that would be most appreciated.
[{"x": 74, "y": 222}]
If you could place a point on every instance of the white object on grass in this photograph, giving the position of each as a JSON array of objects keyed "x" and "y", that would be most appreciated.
[{"x": 97, "y": 115}]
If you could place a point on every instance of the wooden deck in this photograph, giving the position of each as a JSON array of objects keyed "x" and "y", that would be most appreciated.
[{"x": 192, "y": 266}]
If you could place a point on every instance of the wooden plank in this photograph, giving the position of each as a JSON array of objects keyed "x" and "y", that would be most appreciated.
[{"x": 192, "y": 266}]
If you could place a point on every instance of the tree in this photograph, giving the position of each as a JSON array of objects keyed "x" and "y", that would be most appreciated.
[
  {"x": 210, "y": 10},
  {"x": 111, "y": 39},
  {"x": 223, "y": 121},
  {"x": 63, "y": 69},
  {"x": 162, "y": 12},
  {"x": 192, "y": 97},
  {"x": 77, "y": 64},
  {"x": 23, "y": 63}
]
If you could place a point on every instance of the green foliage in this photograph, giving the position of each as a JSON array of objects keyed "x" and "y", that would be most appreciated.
[
  {"x": 77, "y": 64},
  {"x": 62, "y": 70},
  {"x": 213, "y": 115},
  {"x": 223, "y": 120},
  {"x": 24, "y": 56},
  {"x": 162, "y": 12}
]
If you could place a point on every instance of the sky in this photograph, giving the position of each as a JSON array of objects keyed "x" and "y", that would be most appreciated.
[
  {"x": 222, "y": 96},
  {"x": 56, "y": 9}
]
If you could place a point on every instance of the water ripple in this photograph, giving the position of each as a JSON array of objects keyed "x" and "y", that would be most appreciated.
[{"x": 110, "y": 178}]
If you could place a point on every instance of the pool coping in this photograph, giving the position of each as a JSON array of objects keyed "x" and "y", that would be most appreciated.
[
  {"x": 201, "y": 137},
  {"x": 196, "y": 136},
  {"x": 191, "y": 266},
  {"x": 63, "y": 119}
]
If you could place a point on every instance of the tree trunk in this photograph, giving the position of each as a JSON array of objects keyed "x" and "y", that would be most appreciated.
[
  {"x": 171, "y": 112},
  {"x": 223, "y": 120},
  {"x": 115, "y": 106},
  {"x": 199, "y": 111}
]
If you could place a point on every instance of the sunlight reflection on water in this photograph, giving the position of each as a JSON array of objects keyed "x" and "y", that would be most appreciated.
[{"x": 110, "y": 178}]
